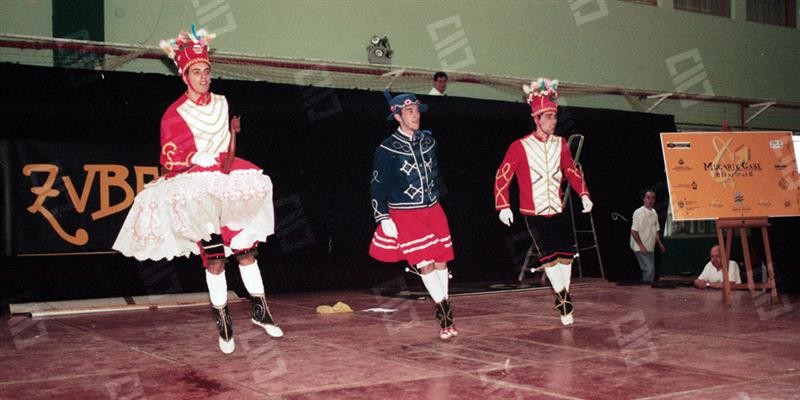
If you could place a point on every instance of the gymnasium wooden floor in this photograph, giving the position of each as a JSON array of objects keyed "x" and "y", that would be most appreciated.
[{"x": 628, "y": 342}]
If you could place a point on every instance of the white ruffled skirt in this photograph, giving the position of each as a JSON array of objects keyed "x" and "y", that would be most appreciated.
[{"x": 170, "y": 216}]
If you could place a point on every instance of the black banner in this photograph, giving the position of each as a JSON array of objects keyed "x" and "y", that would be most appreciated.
[{"x": 73, "y": 197}]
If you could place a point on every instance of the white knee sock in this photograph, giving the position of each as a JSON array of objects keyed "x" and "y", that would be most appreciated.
[
  {"x": 251, "y": 277},
  {"x": 566, "y": 273},
  {"x": 217, "y": 288},
  {"x": 444, "y": 277},
  {"x": 434, "y": 286},
  {"x": 556, "y": 278}
]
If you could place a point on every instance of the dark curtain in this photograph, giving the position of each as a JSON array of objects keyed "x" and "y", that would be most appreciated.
[{"x": 317, "y": 146}]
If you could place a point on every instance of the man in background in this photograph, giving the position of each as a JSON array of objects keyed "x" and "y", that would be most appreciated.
[
  {"x": 711, "y": 277},
  {"x": 645, "y": 236},
  {"x": 439, "y": 84}
]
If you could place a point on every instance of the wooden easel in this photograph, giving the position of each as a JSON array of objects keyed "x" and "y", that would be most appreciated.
[{"x": 726, "y": 226}]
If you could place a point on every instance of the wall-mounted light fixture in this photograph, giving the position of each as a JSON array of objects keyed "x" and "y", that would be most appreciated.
[{"x": 379, "y": 51}]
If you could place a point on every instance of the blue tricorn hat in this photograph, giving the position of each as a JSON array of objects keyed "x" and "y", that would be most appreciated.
[{"x": 397, "y": 103}]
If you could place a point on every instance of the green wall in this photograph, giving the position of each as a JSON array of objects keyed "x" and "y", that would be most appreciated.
[
  {"x": 23, "y": 17},
  {"x": 600, "y": 42},
  {"x": 26, "y": 17},
  {"x": 628, "y": 45}
]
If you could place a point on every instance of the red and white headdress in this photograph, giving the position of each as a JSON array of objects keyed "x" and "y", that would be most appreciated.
[
  {"x": 541, "y": 95},
  {"x": 188, "y": 48}
]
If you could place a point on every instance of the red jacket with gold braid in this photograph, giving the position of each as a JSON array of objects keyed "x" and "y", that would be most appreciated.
[
  {"x": 540, "y": 166},
  {"x": 188, "y": 128}
]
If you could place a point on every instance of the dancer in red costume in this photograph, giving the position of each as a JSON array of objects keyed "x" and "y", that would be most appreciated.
[
  {"x": 540, "y": 161},
  {"x": 207, "y": 202}
]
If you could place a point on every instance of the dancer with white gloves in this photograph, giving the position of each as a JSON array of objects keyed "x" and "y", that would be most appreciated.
[
  {"x": 208, "y": 201},
  {"x": 540, "y": 161},
  {"x": 405, "y": 203}
]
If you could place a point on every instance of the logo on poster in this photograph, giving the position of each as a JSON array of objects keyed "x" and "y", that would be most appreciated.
[
  {"x": 681, "y": 166},
  {"x": 679, "y": 145}
]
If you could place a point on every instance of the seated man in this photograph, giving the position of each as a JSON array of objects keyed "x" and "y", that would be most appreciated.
[{"x": 711, "y": 277}]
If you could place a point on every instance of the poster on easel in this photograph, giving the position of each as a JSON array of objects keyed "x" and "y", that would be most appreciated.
[{"x": 714, "y": 175}]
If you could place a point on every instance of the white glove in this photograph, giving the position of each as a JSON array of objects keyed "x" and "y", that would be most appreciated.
[
  {"x": 203, "y": 159},
  {"x": 587, "y": 204},
  {"x": 389, "y": 228},
  {"x": 506, "y": 216}
]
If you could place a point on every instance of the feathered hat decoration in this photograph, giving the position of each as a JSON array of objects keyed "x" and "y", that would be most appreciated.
[
  {"x": 541, "y": 95},
  {"x": 188, "y": 48}
]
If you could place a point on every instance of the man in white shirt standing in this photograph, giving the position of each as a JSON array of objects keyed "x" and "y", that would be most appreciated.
[
  {"x": 711, "y": 277},
  {"x": 644, "y": 236}
]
